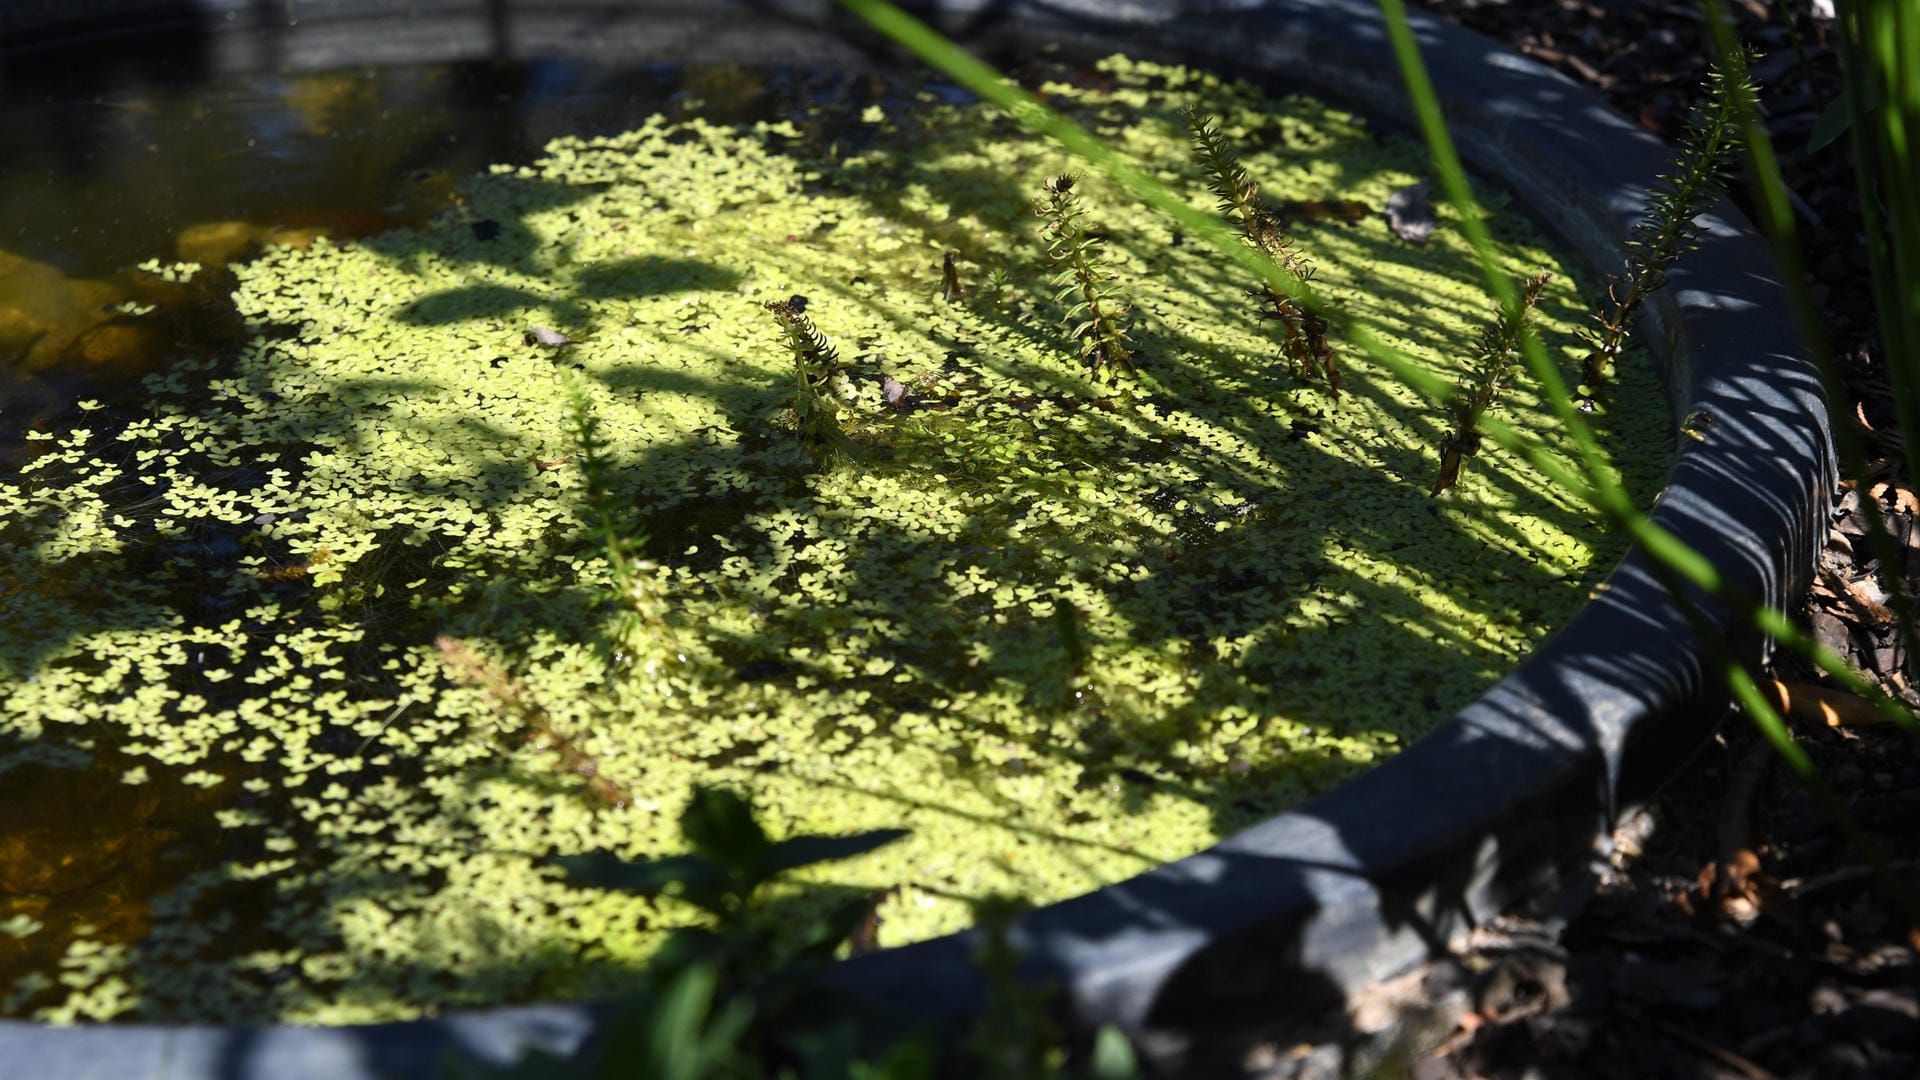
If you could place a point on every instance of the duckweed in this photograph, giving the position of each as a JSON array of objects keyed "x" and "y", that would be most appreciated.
[{"x": 1062, "y": 629}]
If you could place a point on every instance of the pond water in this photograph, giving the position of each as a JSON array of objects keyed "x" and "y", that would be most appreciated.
[{"x": 307, "y": 374}]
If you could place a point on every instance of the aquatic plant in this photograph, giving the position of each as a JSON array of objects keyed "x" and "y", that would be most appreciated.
[
  {"x": 641, "y": 635},
  {"x": 1668, "y": 231},
  {"x": 871, "y": 642},
  {"x": 951, "y": 288},
  {"x": 739, "y": 996},
  {"x": 1099, "y": 320},
  {"x": 1498, "y": 347},
  {"x": 816, "y": 370},
  {"x": 1304, "y": 330}
]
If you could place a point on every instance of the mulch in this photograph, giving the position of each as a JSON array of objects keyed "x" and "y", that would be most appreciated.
[{"x": 1736, "y": 933}]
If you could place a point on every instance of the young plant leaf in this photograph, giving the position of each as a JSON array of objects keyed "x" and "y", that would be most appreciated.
[
  {"x": 1105, "y": 344},
  {"x": 1113, "y": 1057},
  {"x": 720, "y": 825},
  {"x": 1668, "y": 231},
  {"x": 1304, "y": 340}
]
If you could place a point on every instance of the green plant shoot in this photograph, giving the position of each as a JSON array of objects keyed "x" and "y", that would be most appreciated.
[
  {"x": 641, "y": 635},
  {"x": 1101, "y": 325},
  {"x": 1499, "y": 345},
  {"x": 816, "y": 367},
  {"x": 1669, "y": 231},
  {"x": 1305, "y": 331}
]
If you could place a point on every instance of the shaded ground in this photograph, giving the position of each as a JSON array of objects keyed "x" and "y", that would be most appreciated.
[{"x": 1737, "y": 934}]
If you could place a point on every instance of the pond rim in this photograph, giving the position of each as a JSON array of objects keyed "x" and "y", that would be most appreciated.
[{"x": 1507, "y": 807}]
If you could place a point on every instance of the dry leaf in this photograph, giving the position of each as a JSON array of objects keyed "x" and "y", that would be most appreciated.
[
  {"x": 1903, "y": 497},
  {"x": 1863, "y": 598},
  {"x": 1821, "y": 705}
]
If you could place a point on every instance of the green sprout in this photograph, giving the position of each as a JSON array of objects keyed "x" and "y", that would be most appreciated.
[
  {"x": 816, "y": 366},
  {"x": 1499, "y": 346},
  {"x": 1102, "y": 327},
  {"x": 642, "y": 630},
  {"x": 1305, "y": 341}
]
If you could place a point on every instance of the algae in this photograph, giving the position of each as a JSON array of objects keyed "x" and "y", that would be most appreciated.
[{"x": 1061, "y": 628}]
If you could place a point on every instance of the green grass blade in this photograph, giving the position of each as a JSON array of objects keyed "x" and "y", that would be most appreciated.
[{"x": 1777, "y": 222}]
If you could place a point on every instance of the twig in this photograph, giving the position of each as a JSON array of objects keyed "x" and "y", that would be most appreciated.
[
  {"x": 1718, "y": 1053},
  {"x": 466, "y": 666}
]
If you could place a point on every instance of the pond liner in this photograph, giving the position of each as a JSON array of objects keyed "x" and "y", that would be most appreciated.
[{"x": 1507, "y": 808}]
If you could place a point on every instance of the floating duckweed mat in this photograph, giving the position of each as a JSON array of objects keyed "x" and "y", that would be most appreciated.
[{"x": 1062, "y": 628}]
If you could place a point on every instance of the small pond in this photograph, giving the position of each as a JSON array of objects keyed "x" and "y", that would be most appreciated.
[{"x": 321, "y": 392}]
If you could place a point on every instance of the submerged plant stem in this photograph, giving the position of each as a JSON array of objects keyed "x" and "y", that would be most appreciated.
[{"x": 469, "y": 668}]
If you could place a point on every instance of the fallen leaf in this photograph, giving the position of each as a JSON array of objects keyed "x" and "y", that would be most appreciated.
[
  {"x": 1410, "y": 213},
  {"x": 1821, "y": 705},
  {"x": 1903, "y": 497},
  {"x": 1861, "y": 598}
]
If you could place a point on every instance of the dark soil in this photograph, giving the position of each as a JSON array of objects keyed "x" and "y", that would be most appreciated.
[{"x": 1737, "y": 933}]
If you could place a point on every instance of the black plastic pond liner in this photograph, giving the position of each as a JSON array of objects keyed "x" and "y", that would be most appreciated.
[{"x": 1506, "y": 808}]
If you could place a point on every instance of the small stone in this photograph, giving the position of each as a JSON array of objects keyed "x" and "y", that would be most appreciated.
[{"x": 1410, "y": 213}]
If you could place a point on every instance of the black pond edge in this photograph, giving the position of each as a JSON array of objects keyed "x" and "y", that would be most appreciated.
[{"x": 1506, "y": 808}]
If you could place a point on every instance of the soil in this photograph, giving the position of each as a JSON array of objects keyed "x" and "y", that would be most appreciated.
[{"x": 1735, "y": 933}]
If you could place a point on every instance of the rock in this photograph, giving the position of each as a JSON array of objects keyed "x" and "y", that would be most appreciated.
[
  {"x": 67, "y": 828},
  {"x": 214, "y": 244},
  {"x": 1410, "y": 213},
  {"x": 42, "y": 311},
  {"x": 122, "y": 348}
]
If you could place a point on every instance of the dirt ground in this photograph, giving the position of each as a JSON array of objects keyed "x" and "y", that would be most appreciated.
[{"x": 1737, "y": 934}]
